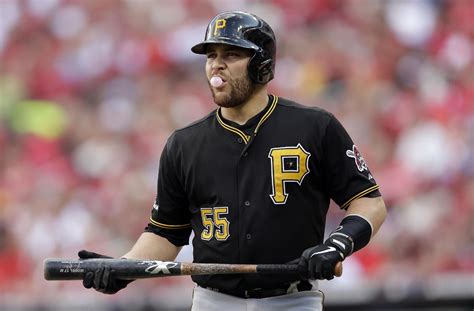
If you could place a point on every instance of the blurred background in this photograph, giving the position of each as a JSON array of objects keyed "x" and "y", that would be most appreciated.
[{"x": 90, "y": 90}]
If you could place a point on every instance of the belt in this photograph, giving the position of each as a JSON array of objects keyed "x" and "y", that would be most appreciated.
[{"x": 299, "y": 286}]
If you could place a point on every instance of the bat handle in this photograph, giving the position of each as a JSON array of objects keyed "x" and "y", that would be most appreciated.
[{"x": 291, "y": 269}]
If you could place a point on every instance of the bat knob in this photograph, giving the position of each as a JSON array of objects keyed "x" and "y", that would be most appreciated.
[{"x": 338, "y": 269}]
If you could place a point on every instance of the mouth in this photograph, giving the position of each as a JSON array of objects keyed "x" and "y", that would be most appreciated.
[{"x": 217, "y": 82}]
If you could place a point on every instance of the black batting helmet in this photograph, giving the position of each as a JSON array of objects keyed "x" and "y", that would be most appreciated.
[{"x": 247, "y": 31}]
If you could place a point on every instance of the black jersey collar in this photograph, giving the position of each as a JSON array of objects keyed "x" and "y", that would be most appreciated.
[{"x": 265, "y": 114}]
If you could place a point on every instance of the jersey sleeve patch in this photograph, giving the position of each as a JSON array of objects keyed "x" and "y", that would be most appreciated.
[{"x": 358, "y": 159}]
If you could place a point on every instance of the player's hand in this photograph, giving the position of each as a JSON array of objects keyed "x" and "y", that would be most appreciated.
[
  {"x": 319, "y": 262},
  {"x": 102, "y": 279}
]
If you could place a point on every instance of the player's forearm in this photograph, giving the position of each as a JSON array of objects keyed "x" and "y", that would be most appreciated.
[
  {"x": 150, "y": 246},
  {"x": 363, "y": 219},
  {"x": 372, "y": 209}
]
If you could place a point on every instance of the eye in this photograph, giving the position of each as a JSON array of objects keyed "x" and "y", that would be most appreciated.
[
  {"x": 211, "y": 55},
  {"x": 233, "y": 54}
]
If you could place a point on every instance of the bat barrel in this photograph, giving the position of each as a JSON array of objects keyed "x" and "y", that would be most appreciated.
[
  {"x": 64, "y": 269},
  {"x": 59, "y": 269}
]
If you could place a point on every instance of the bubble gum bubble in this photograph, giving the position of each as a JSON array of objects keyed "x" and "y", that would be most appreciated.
[{"x": 216, "y": 81}]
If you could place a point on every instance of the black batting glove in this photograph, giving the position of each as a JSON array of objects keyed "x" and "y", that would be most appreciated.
[
  {"x": 102, "y": 279},
  {"x": 319, "y": 262}
]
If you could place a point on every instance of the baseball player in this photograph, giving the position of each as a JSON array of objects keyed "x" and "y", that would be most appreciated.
[{"x": 253, "y": 181}]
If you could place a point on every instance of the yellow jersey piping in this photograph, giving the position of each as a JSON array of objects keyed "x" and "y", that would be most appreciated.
[
  {"x": 165, "y": 226},
  {"x": 267, "y": 114},
  {"x": 244, "y": 137},
  {"x": 359, "y": 195}
]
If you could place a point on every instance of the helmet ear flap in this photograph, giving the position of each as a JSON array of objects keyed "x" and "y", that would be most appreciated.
[{"x": 260, "y": 67}]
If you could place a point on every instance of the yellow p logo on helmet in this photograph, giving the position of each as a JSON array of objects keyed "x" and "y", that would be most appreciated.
[{"x": 220, "y": 24}]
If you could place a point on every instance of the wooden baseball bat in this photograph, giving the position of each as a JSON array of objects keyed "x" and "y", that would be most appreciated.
[{"x": 75, "y": 269}]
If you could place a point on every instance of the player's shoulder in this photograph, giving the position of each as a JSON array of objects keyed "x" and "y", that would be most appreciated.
[
  {"x": 190, "y": 131},
  {"x": 289, "y": 106},
  {"x": 204, "y": 122}
]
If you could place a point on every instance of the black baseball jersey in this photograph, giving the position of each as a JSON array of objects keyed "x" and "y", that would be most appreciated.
[{"x": 256, "y": 193}]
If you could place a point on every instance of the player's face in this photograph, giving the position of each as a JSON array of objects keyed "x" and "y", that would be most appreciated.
[{"x": 230, "y": 64}]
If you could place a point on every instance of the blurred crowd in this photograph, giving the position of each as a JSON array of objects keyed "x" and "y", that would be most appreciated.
[{"x": 90, "y": 90}]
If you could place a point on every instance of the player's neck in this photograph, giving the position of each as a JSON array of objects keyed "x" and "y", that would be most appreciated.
[{"x": 242, "y": 113}]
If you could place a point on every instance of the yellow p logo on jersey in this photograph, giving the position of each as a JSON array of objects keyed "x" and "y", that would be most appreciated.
[
  {"x": 289, "y": 164},
  {"x": 220, "y": 23}
]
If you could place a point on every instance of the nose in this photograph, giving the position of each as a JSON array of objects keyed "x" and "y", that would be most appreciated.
[{"x": 217, "y": 63}]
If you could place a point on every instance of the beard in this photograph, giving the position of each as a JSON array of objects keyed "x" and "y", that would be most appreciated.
[{"x": 240, "y": 91}]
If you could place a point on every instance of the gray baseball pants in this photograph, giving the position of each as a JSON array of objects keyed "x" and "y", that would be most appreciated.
[{"x": 209, "y": 300}]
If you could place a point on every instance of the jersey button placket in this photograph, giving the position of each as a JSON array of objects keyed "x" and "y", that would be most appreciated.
[
  {"x": 240, "y": 140},
  {"x": 248, "y": 236}
]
